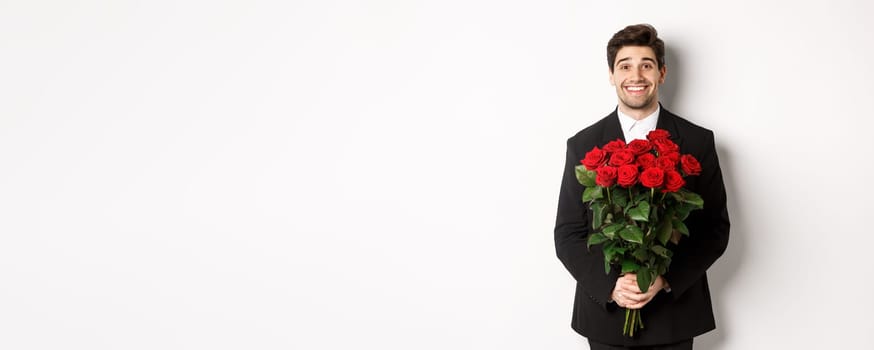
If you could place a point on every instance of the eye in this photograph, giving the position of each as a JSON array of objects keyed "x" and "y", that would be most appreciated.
[
  {"x": 647, "y": 66},
  {"x": 624, "y": 67}
]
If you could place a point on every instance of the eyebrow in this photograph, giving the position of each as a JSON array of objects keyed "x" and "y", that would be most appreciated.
[{"x": 629, "y": 58}]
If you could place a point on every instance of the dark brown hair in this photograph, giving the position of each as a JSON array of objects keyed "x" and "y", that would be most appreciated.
[{"x": 636, "y": 35}]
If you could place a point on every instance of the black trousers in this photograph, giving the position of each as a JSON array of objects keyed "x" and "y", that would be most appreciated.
[{"x": 683, "y": 345}]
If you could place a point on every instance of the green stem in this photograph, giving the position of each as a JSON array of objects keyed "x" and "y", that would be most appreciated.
[
  {"x": 639, "y": 319},
  {"x": 625, "y": 326}
]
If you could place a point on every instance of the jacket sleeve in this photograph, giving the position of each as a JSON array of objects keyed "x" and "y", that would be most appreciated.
[
  {"x": 708, "y": 227},
  {"x": 571, "y": 234}
]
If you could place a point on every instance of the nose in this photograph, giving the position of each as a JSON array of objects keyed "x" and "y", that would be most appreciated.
[{"x": 636, "y": 74}]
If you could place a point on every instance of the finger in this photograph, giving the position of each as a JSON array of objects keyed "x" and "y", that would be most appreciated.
[
  {"x": 649, "y": 294},
  {"x": 629, "y": 297},
  {"x": 622, "y": 298},
  {"x": 635, "y": 297},
  {"x": 621, "y": 286},
  {"x": 625, "y": 287},
  {"x": 618, "y": 297},
  {"x": 631, "y": 287},
  {"x": 634, "y": 306},
  {"x": 637, "y": 304}
]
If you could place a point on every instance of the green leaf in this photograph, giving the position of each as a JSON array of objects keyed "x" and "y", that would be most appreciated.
[
  {"x": 620, "y": 197},
  {"x": 663, "y": 232},
  {"x": 640, "y": 254},
  {"x": 680, "y": 226},
  {"x": 661, "y": 251},
  {"x": 585, "y": 177},
  {"x": 629, "y": 266},
  {"x": 596, "y": 238},
  {"x": 609, "y": 254},
  {"x": 642, "y": 196},
  {"x": 640, "y": 212},
  {"x": 682, "y": 211},
  {"x": 632, "y": 234},
  {"x": 612, "y": 251},
  {"x": 662, "y": 268},
  {"x": 610, "y": 230},
  {"x": 609, "y": 251},
  {"x": 592, "y": 193},
  {"x": 692, "y": 198},
  {"x": 598, "y": 215},
  {"x": 644, "y": 279},
  {"x": 655, "y": 213}
]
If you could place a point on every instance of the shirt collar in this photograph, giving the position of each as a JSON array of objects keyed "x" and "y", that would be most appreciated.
[{"x": 637, "y": 129}]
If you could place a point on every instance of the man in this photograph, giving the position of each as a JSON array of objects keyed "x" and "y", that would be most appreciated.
[{"x": 677, "y": 306}]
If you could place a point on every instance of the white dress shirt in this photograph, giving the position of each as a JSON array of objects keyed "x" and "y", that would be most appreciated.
[{"x": 637, "y": 129}]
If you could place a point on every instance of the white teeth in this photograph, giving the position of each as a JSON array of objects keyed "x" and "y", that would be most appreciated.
[{"x": 635, "y": 88}]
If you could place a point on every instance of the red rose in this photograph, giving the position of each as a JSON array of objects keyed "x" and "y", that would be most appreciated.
[
  {"x": 673, "y": 156},
  {"x": 666, "y": 163},
  {"x": 621, "y": 157},
  {"x": 673, "y": 181},
  {"x": 627, "y": 175},
  {"x": 652, "y": 177},
  {"x": 606, "y": 176},
  {"x": 614, "y": 146},
  {"x": 639, "y": 147},
  {"x": 646, "y": 161},
  {"x": 658, "y": 134},
  {"x": 664, "y": 146},
  {"x": 690, "y": 165},
  {"x": 594, "y": 158}
]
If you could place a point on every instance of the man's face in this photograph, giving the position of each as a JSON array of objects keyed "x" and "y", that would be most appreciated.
[{"x": 637, "y": 77}]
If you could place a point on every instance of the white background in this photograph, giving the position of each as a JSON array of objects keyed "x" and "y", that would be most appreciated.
[{"x": 384, "y": 174}]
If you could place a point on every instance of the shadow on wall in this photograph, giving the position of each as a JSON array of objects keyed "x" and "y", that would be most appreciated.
[
  {"x": 669, "y": 91},
  {"x": 721, "y": 274}
]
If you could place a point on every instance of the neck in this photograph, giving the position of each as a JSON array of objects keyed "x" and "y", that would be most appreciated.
[{"x": 638, "y": 113}]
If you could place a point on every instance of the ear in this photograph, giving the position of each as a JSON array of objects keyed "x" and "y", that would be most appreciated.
[
  {"x": 611, "y": 76},
  {"x": 664, "y": 72}
]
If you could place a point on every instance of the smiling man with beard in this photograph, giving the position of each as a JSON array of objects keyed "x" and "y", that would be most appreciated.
[{"x": 677, "y": 304}]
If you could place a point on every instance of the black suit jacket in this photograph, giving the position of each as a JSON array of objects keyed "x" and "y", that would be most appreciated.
[{"x": 686, "y": 311}]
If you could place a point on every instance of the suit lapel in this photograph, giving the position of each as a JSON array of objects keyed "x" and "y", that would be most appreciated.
[
  {"x": 612, "y": 129},
  {"x": 668, "y": 121}
]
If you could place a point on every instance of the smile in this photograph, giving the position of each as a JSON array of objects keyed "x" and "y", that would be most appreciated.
[{"x": 636, "y": 90}]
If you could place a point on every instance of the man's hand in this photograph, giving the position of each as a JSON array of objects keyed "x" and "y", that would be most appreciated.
[{"x": 627, "y": 294}]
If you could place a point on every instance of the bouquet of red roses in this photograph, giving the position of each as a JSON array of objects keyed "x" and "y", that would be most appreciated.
[{"x": 638, "y": 203}]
